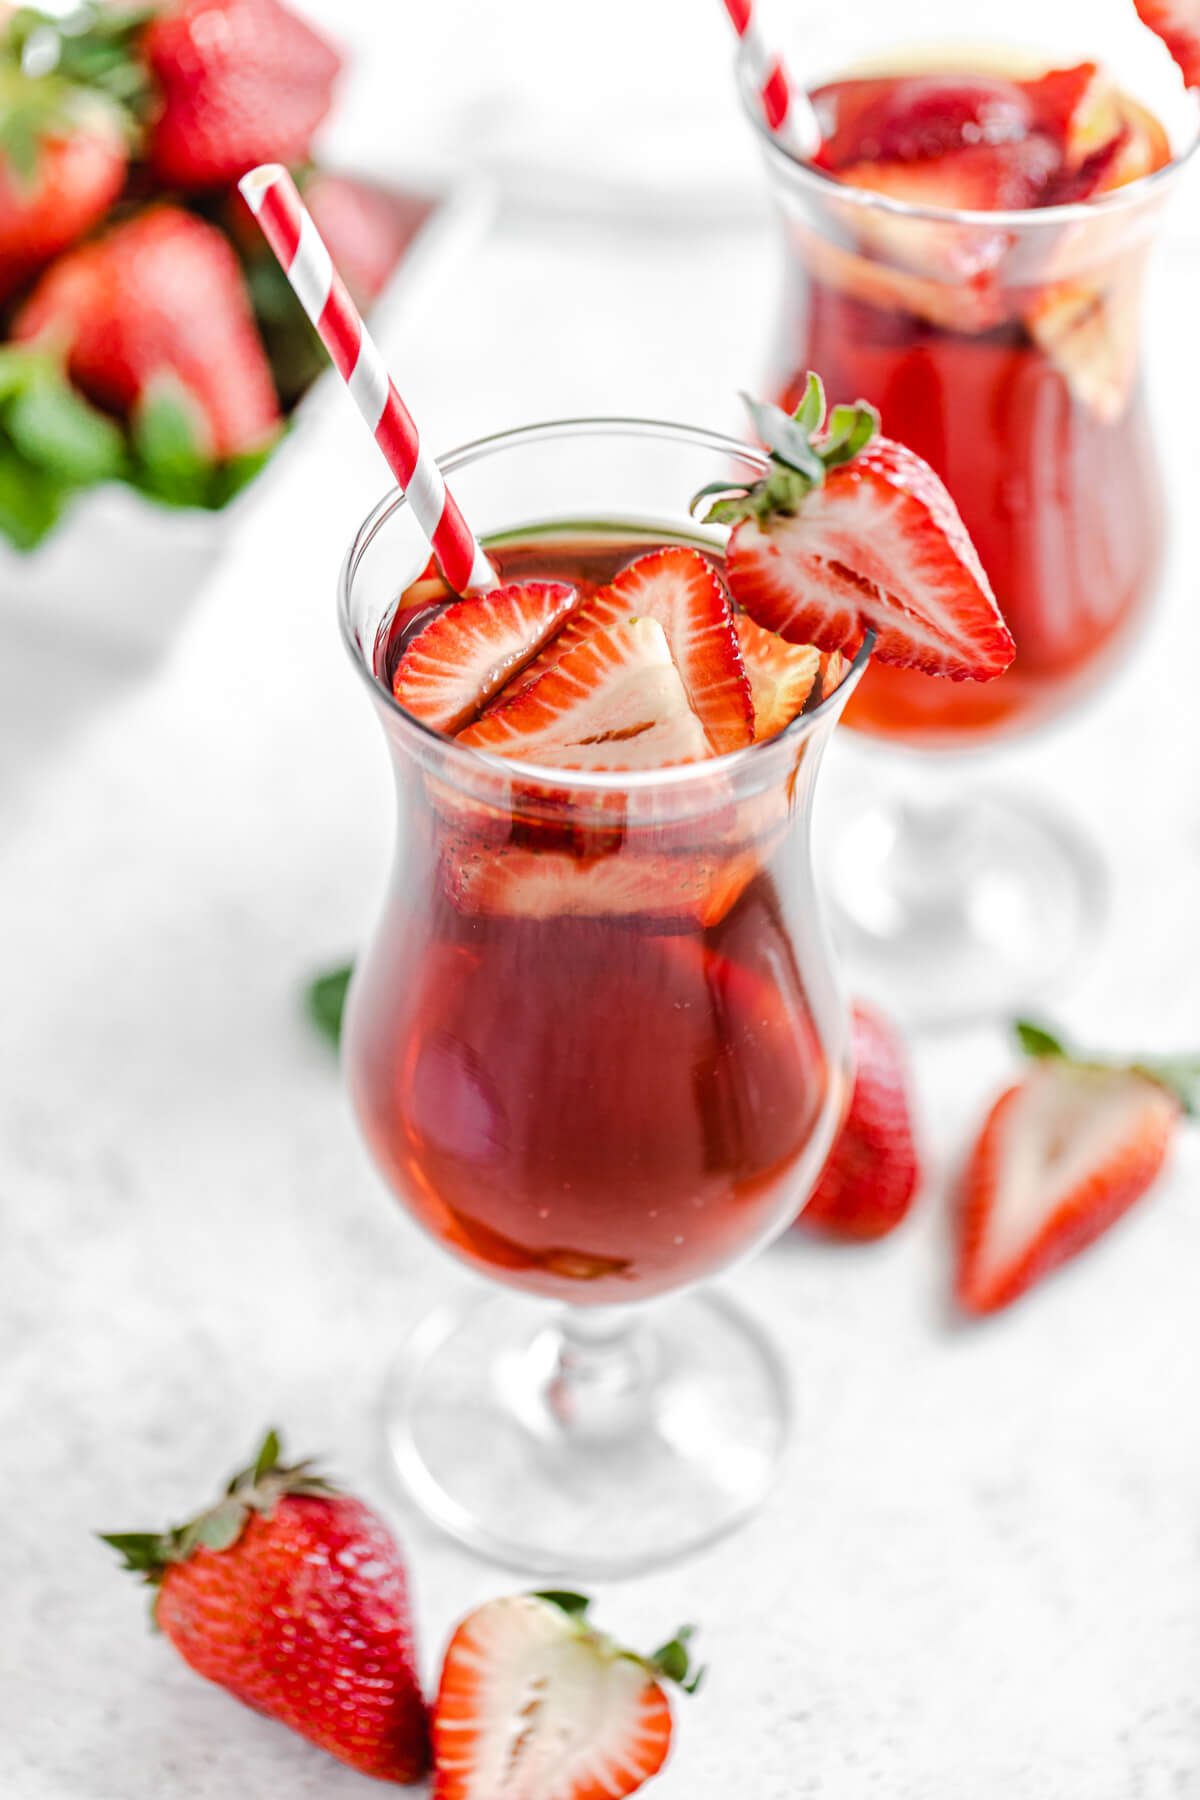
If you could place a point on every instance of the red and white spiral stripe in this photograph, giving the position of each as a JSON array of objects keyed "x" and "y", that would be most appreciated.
[
  {"x": 787, "y": 111},
  {"x": 271, "y": 195}
]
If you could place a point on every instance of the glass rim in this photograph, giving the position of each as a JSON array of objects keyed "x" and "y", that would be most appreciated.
[
  {"x": 465, "y": 756},
  {"x": 1123, "y": 199}
]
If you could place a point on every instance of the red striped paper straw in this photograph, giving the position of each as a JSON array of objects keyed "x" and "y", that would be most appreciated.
[
  {"x": 272, "y": 197},
  {"x": 787, "y": 110}
]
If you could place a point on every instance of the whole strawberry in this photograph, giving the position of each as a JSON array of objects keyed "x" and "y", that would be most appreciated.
[
  {"x": 158, "y": 306},
  {"x": 873, "y": 1171},
  {"x": 1062, "y": 1155},
  {"x": 239, "y": 82},
  {"x": 294, "y": 1597},
  {"x": 62, "y": 164}
]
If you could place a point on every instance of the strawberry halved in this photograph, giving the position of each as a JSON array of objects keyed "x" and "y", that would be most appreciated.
[
  {"x": 781, "y": 675},
  {"x": 534, "y": 1704},
  {"x": 1061, "y": 1156},
  {"x": 1177, "y": 23},
  {"x": 466, "y": 654},
  {"x": 682, "y": 592},
  {"x": 613, "y": 701},
  {"x": 880, "y": 545}
]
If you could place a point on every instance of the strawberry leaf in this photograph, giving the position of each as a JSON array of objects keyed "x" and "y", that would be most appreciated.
[
  {"x": 1180, "y": 1075},
  {"x": 54, "y": 427},
  {"x": 325, "y": 1001},
  {"x": 801, "y": 453},
  {"x": 169, "y": 443},
  {"x": 31, "y": 499},
  {"x": 574, "y": 1604},
  {"x": 1036, "y": 1040}
]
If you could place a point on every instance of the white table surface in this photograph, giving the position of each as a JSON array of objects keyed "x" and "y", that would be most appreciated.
[{"x": 979, "y": 1575}]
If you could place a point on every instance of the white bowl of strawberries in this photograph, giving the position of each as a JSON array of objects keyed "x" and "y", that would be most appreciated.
[{"x": 151, "y": 354}]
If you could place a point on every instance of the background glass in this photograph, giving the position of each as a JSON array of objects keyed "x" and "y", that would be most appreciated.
[{"x": 1005, "y": 348}]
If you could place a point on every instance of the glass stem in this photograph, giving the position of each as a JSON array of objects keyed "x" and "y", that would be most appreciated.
[{"x": 596, "y": 1368}]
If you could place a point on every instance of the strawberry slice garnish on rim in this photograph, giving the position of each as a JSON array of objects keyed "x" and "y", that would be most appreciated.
[
  {"x": 849, "y": 532},
  {"x": 613, "y": 701},
  {"x": 533, "y": 1701},
  {"x": 465, "y": 655},
  {"x": 1062, "y": 1155},
  {"x": 1177, "y": 23}
]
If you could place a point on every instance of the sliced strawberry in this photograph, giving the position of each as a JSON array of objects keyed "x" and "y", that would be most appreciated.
[
  {"x": 911, "y": 118},
  {"x": 1177, "y": 23},
  {"x": 467, "y": 653},
  {"x": 781, "y": 675},
  {"x": 878, "y": 546},
  {"x": 833, "y": 671},
  {"x": 614, "y": 701},
  {"x": 682, "y": 592},
  {"x": 1061, "y": 1156},
  {"x": 873, "y": 1171},
  {"x": 535, "y": 1704},
  {"x": 1077, "y": 107},
  {"x": 979, "y": 178},
  {"x": 1093, "y": 336},
  {"x": 510, "y": 881}
]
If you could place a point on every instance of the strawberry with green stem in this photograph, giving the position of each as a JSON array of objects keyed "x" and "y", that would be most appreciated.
[
  {"x": 1062, "y": 1155},
  {"x": 849, "y": 533},
  {"x": 293, "y": 1597},
  {"x": 63, "y": 156},
  {"x": 153, "y": 323}
]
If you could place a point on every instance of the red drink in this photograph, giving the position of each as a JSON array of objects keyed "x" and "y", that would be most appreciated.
[
  {"x": 584, "y": 1054},
  {"x": 1006, "y": 357}
]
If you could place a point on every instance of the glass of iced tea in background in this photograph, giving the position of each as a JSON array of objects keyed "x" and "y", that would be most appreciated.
[
  {"x": 595, "y": 1046},
  {"x": 980, "y": 281}
]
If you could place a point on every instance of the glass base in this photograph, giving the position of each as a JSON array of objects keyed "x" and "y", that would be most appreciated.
[
  {"x": 589, "y": 1442},
  {"x": 958, "y": 910}
]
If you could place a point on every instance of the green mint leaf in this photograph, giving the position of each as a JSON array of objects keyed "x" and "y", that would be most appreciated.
[
  {"x": 325, "y": 1001},
  {"x": 54, "y": 427},
  {"x": 1036, "y": 1040},
  {"x": 574, "y": 1604}
]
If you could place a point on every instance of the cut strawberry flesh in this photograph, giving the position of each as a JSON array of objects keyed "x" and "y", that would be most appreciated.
[
  {"x": 1177, "y": 23},
  {"x": 530, "y": 1706},
  {"x": 781, "y": 675},
  {"x": 682, "y": 592},
  {"x": 979, "y": 178},
  {"x": 613, "y": 701},
  {"x": 1061, "y": 1157},
  {"x": 466, "y": 654},
  {"x": 880, "y": 546},
  {"x": 509, "y": 881},
  {"x": 1077, "y": 107},
  {"x": 917, "y": 117}
]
